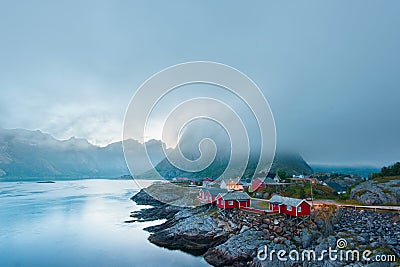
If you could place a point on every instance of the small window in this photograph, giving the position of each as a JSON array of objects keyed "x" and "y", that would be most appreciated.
[
  {"x": 289, "y": 208},
  {"x": 299, "y": 209},
  {"x": 230, "y": 203}
]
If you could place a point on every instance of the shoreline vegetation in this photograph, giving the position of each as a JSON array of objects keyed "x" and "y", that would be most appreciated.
[{"x": 233, "y": 237}]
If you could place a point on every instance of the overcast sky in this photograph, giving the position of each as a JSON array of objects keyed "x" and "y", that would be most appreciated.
[{"x": 329, "y": 69}]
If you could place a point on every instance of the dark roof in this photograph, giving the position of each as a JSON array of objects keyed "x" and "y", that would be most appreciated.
[
  {"x": 335, "y": 186},
  {"x": 266, "y": 180},
  {"x": 288, "y": 201},
  {"x": 269, "y": 181},
  {"x": 215, "y": 191},
  {"x": 271, "y": 175},
  {"x": 235, "y": 196}
]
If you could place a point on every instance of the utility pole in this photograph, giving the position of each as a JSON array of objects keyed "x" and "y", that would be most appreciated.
[{"x": 312, "y": 198}]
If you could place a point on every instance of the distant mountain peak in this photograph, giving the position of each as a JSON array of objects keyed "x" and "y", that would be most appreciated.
[{"x": 26, "y": 153}]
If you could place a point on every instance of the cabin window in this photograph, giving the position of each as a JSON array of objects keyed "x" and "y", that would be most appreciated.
[
  {"x": 230, "y": 202},
  {"x": 289, "y": 208},
  {"x": 299, "y": 209}
]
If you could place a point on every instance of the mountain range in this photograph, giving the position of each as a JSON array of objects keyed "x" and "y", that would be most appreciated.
[
  {"x": 30, "y": 154},
  {"x": 34, "y": 154}
]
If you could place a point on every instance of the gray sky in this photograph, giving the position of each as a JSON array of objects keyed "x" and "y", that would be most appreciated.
[{"x": 328, "y": 69}]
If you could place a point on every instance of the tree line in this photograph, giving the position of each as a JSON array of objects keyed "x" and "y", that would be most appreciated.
[{"x": 392, "y": 170}]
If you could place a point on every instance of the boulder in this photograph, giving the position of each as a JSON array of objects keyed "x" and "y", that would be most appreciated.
[{"x": 238, "y": 248}]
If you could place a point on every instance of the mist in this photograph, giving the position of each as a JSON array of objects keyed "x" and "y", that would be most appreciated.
[{"x": 328, "y": 70}]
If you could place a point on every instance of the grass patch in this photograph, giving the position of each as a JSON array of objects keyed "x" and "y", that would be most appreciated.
[
  {"x": 264, "y": 204},
  {"x": 349, "y": 202},
  {"x": 386, "y": 191},
  {"x": 299, "y": 190},
  {"x": 361, "y": 192},
  {"x": 385, "y": 179},
  {"x": 210, "y": 212}
]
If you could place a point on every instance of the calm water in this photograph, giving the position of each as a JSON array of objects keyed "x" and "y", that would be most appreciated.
[{"x": 77, "y": 223}]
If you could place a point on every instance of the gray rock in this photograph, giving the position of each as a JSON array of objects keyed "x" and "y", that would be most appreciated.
[
  {"x": 244, "y": 228},
  {"x": 238, "y": 248},
  {"x": 272, "y": 261},
  {"x": 332, "y": 242},
  {"x": 297, "y": 239},
  {"x": 392, "y": 241},
  {"x": 373, "y": 193},
  {"x": 306, "y": 237},
  {"x": 374, "y": 245},
  {"x": 320, "y": 247},
  {"x": 361, "y": 240},
  {"x": 194, "y": 234}
]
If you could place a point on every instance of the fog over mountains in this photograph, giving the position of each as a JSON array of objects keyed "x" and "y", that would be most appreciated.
[
  {"x": 34, "y": 154},
  {"x": 26, "y": 153},
  {"x": 285, "y": 160}
]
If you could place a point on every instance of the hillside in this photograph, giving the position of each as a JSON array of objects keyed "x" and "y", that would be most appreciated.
[
  {"x": 382, "y": 188},
  {"x": 378, "y": 191},
  {"x": 291, "y": 163},
  {"x": 34, "y": 154}
]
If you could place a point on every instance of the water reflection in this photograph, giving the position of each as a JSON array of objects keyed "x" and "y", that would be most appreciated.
[{"x": 77, "y": 223}]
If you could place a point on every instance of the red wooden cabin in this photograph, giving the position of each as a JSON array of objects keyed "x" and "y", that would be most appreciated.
[
  {"x": 263, "y": 182},
  {"x": 208, "y": 195},
  {"x": 202, "y": 195},
  {"x": 232, "y": 200},
  {"x": 290, "y": 206},
  {"x": 257, "y": 183}
]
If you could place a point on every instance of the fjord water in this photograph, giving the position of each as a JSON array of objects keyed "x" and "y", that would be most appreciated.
[{"x": 77, "y": 223}]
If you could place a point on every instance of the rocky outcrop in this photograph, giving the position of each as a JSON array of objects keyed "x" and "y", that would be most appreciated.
[
  {"x": 236, "y": 237},
  {"x": 142, "y": 198},
  {"x": 228, "y": 237},
  {"x": 374, "y": 193},
  {"x": 266, "y": 260},
  {"x": 155, "y": 213},
  {"x": 325, "y": 217},
  {"x": 240, "y": 248},
  {"x": 192, "y": 231},
  {"x": 158, "y": 210}
]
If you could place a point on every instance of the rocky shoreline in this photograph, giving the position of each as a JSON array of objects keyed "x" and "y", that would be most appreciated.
[{"x": 234, "y": 237}]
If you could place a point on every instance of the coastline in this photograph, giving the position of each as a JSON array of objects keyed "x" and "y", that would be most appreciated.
[{"x": 233, "y": 238}]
